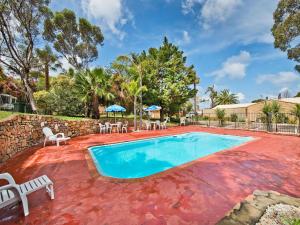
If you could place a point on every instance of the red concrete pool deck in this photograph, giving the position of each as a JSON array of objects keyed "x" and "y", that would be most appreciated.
[{"x": 198, "y": 193}]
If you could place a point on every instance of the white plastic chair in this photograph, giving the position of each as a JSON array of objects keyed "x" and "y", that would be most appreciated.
[
  {"x": 49, "y": 136},
  {"x": 148, "y": 125},
  {"x": 163, "y": 125},
  {"x": 12, "y": 193},
  {"x": 102, "y": 128},
  {"x": 182, "y": 121},
  {"x": 119, "y": 127},
  {"x": 157, "y": 124},
  {"x": 108, "y": 127},
  {"x": 125, "y": 127}
]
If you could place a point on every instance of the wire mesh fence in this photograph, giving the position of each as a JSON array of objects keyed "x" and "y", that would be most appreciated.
[{"x": 285, "y": 123}]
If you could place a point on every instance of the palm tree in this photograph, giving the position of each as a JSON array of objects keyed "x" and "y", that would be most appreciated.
[
  {"x": 47, "y": 61},
  {"x": 226, "y": 98},
  {"x": 267, "y": 110},
  {"x": 94, "y": 85},
  {"x": 196, "y": 81},
  {"x": 296, "y": 113},
  {"x": 276, "y": 112},
  {"x": 220, "y": 113},
  {"x": 131, "y": 67},
  {"x": 212, "y": 95},
  {"x": 134, "y": 90}
]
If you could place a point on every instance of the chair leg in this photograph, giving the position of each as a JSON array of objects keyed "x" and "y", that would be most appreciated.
[
  {"x": 45, "y": 142},
  {"x": 50, "y": 191},
  {"x": 25, "y": 205},
  {"x": 57, "y": 143}
]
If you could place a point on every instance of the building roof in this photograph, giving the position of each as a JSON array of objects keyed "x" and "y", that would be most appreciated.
[
  {"x": 295, "y": 100},
  {"x": 234, "y": 106}
]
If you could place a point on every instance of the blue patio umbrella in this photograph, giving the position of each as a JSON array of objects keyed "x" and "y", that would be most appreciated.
[
  {"x": 114, "y": 109},
  {"x": 152, "y": 108}
]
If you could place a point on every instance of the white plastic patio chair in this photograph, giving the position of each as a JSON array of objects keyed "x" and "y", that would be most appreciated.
[
  {"x": 158, "y": 124},
  {"x": 108, "y": 127},
  {"x": 12, "y": 193},
  {"x": 148, "y": 125},
  {"x": 182, "y": 121},
  {"x": 163, "y": 125},
  {"x": 125, "y": 127},
  {"x": 49, "y": 136},
  {"x": 119, "y": 127},
  {"x": 102, "y": 128}
]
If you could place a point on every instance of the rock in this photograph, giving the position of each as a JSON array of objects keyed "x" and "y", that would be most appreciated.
[{"x": 254, "y": 206}]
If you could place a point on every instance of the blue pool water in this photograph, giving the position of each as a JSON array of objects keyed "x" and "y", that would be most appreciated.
[{"x": 142, "y": 158}]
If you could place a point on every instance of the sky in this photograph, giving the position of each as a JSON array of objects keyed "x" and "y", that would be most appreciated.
[{"x": 228, "y": 41}]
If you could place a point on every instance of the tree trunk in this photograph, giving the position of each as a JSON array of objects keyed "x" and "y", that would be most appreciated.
[
  {"x": 141, "y": 107},
  {"x": 95, "y": 113},
  {"x": 134, "y": 112},
  {"x": 86, "y": 109},
  {"x": 29, "y": 94},
  {"x": 195, "y": 98},
  {"x": 212, "y": 103},
  {"x": 47, "y": 83},
  {"x": 162, "y": 114}
]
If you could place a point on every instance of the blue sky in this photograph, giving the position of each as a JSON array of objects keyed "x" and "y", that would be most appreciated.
[{"x": 228, "y": 41}]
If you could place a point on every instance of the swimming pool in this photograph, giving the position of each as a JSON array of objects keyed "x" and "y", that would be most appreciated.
[{"x": 137, "y": 159}]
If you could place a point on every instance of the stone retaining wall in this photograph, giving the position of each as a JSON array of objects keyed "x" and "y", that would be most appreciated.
[{"x": 20, "y": 132}]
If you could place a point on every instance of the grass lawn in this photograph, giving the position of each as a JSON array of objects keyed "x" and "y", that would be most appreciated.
[{"x": 5, "y": 114}]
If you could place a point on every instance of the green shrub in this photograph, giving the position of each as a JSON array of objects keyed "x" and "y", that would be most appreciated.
[
  {"x": 205, "y": 117},
  {"x": 44, "y": 101},
  {"x": 233, "y": 117},
  {"x": 281, "y": 118},
  {"x": 220, "y": 113},
  {"x": 292, "y": 221},
  {"x": 67, "y": 100}
]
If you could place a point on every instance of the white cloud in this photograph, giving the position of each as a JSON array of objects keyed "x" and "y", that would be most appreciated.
[
  {"x": 234, "y": 67},
  {"x": 240, "y": 96},
  {"x": 185, "y": 39},
  {"x": 284, "y": 89},
  {"x": 214, "y": 11},
  {"x": 279, "y": 79},
  {"x": 187, "y": 5},
  {"x": 111, "y": 14},
  {"x": 226, "y": 22},
  {"x": 211, "y": 11}
]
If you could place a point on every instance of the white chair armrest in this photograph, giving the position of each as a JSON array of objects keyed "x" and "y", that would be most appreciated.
[
  {"x": 10, "y": 187},
  {"x": 60, "y": 134},
  {"x": 14, "y": 188},
  {"x": 7, "y": 177}
]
